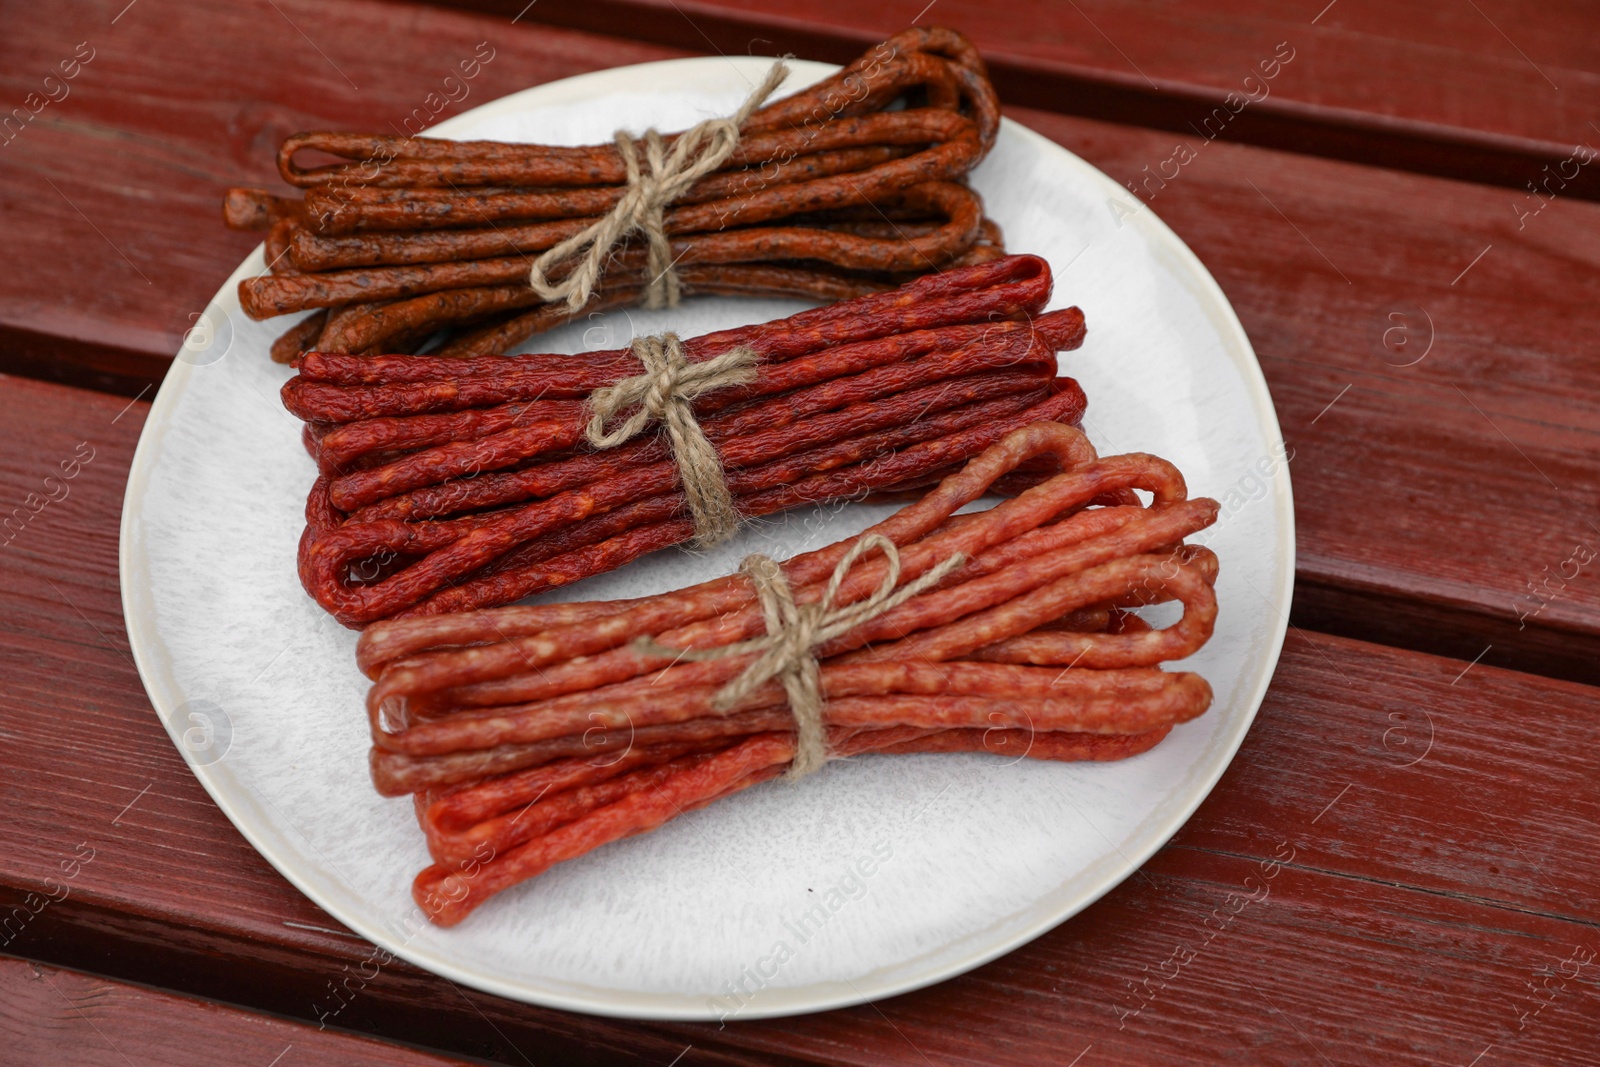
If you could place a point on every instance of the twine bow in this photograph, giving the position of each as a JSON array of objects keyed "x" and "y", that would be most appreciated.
[
  {"x": 663, "y": 393},
  {"x": 696, "y": 153},
  {"x": 795, "y": 630}
]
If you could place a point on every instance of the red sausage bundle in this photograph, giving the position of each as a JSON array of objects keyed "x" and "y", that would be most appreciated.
[
  {"x": 453, "y": 484},
  {"x": 531, "y": 735}
]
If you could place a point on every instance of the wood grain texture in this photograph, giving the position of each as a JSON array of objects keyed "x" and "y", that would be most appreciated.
[
  {"x": 1436, "y": 831},
  {"x": 1490, "y": 91},
  {"x": 112, "y": 197},
  {"x": 53, "y": 1016}
]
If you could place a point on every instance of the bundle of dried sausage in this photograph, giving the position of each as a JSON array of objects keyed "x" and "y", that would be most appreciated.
[
  {"x": 531, "y": 735},
  {"x": 845, "y": 188},
  {"x": 454, "y": 484}
]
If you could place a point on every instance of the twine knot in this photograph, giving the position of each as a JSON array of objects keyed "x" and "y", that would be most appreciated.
[
  {"x": 695, "y": 153},
  {"x": 794, "y": 631},
  {"x": 664, "y": 394}
]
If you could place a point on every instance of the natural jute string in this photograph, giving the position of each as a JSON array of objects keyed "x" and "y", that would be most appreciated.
[
  {"x": 696, "y": 153},
  {"x": 664, "y": 394},
  {"x": 795, "y": 630}
]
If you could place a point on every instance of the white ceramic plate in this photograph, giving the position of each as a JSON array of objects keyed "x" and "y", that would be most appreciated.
[{"x": 877, "y": 876}]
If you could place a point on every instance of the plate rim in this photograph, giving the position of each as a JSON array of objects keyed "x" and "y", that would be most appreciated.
[{"x": 149, "y": 652}]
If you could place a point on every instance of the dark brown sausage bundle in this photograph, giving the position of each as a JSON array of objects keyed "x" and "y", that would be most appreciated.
[{"x": 848, "y": 187}]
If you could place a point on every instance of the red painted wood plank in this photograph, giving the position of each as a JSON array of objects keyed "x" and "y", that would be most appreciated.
[
  {"x": 1489, "y": 91},
  {"x": 53, "y": 1016},
  {"x": 1423, "y": 360},
  {"x": 1434, "y": 827},
  {"x": 112, "y": 195}
]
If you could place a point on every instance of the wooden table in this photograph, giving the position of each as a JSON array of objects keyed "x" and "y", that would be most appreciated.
[{"x": 1426, "y": 766}]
